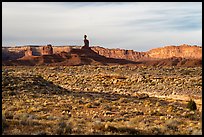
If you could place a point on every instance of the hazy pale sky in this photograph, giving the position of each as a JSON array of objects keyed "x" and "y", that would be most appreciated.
[{"x": 140, "y": 26}]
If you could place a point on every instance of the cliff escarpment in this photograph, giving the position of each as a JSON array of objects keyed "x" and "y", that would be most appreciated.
[
  {"x": 182, "y": 55},
  {"x": 183, "y": 51}
]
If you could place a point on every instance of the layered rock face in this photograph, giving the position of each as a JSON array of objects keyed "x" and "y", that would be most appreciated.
[
  {"x": 13, "y": 53},
  {"x": 183, "y": 51},
  {"x": 47, "y": 50},
  {"x": 120, "y": 53},
  {"x": 29, "y": 52},
  {"x": 59, "y": 49},
  {"x": 165, "y": 54}
]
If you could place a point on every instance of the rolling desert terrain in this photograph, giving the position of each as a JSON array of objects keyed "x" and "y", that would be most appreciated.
[{"x": 50, "y": 90}]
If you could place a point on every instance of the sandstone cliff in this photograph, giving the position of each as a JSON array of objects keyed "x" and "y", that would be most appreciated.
[
  {"x": 168, "y": 52},
  {"x": 29, "y": 52},
  {"x": 183, "y": 51},
  {"x": 13, "y": 53},
  {"x": 120, "y": 53},
  {"x": 47, "y": 50}
]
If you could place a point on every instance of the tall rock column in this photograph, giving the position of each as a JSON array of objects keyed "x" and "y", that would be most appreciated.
[{"x": 86, "y": 43}]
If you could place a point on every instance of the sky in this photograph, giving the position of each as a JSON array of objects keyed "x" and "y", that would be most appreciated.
[{"x": 138, "y": 26}]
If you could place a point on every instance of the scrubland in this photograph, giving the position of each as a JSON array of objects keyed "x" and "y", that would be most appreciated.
[{"x": 91, "y": 100}]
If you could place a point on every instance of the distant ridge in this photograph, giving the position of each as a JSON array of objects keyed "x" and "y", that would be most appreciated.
[{"x": 183, "y": 55}]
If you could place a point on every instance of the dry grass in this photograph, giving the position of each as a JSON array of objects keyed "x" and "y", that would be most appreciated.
[{"x": 36, "y": 101}]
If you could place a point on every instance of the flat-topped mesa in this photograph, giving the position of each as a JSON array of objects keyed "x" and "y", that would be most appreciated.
[
  {"x": 12, "y": 53},
  {"x": 183, "y": 51},
  {"x": 120, "y": 53},
  {"x": 185, "y": 54},
  {"x": 38, "y": 51}
]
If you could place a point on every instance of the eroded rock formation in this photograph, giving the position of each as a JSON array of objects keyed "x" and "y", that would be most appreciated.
[
  {"x": 121, "y": 53},
  {"x": 47, "y": 50},
  {"x": 184, "y": 53},
  {"x": 86, "y": 43},
  {"x": 29, "y": 52}
]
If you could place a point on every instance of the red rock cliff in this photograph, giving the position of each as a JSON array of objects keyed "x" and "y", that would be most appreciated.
[
  {"x": 120, "y": 53},
  {"x": 183, "y": 51},
  {"x": 28, "y": 52},
  {"x": 47, "y": 50}
]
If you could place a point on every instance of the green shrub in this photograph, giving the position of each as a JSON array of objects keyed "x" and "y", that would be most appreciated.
[{"x": 191, "y": 105}]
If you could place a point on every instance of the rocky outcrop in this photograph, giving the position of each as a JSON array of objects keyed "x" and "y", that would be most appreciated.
[
  {"x": 121, "y": 53},
  {"x": 29, "y": 52},
  {"x": 183, "y": 55},
  {"x": 59, "y": 49},
  {"x": 86, "y": 56},
  {"x": 183, "y": 51},
  {"x": 13, "y": 53},
  {"x": 86, "y": 43},
  {"x": 47, "y": 50},
  {"x": 18, "y": 52}
]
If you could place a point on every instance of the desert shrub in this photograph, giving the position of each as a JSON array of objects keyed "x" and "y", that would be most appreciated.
[
  {"x": 26, "y": 119},
  {"x": 4, "y": 124},
  {"x": 172, "y": 124},
  {"x": 191, "y": 105},
  {"x": 63, "y": 128},
  {"x": 110, "y": 128},
  {"x": 8, "y": 114},
  {"x": 156, "y": 113},
  {"x": 190, "y": 116},
  {"x": 96, "y": 103},
  {"x": 97, "y": 125},
  {"x": 128, "y": 130},
  {"x": 121, "y": 130},
  {"x": 107, "y": 107},
  {"x": 89, "y": 105},
  {"x": 123, "y": 100}
]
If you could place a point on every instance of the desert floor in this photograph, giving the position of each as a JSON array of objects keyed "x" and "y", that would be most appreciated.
[{"x": 94, "y": 100}]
